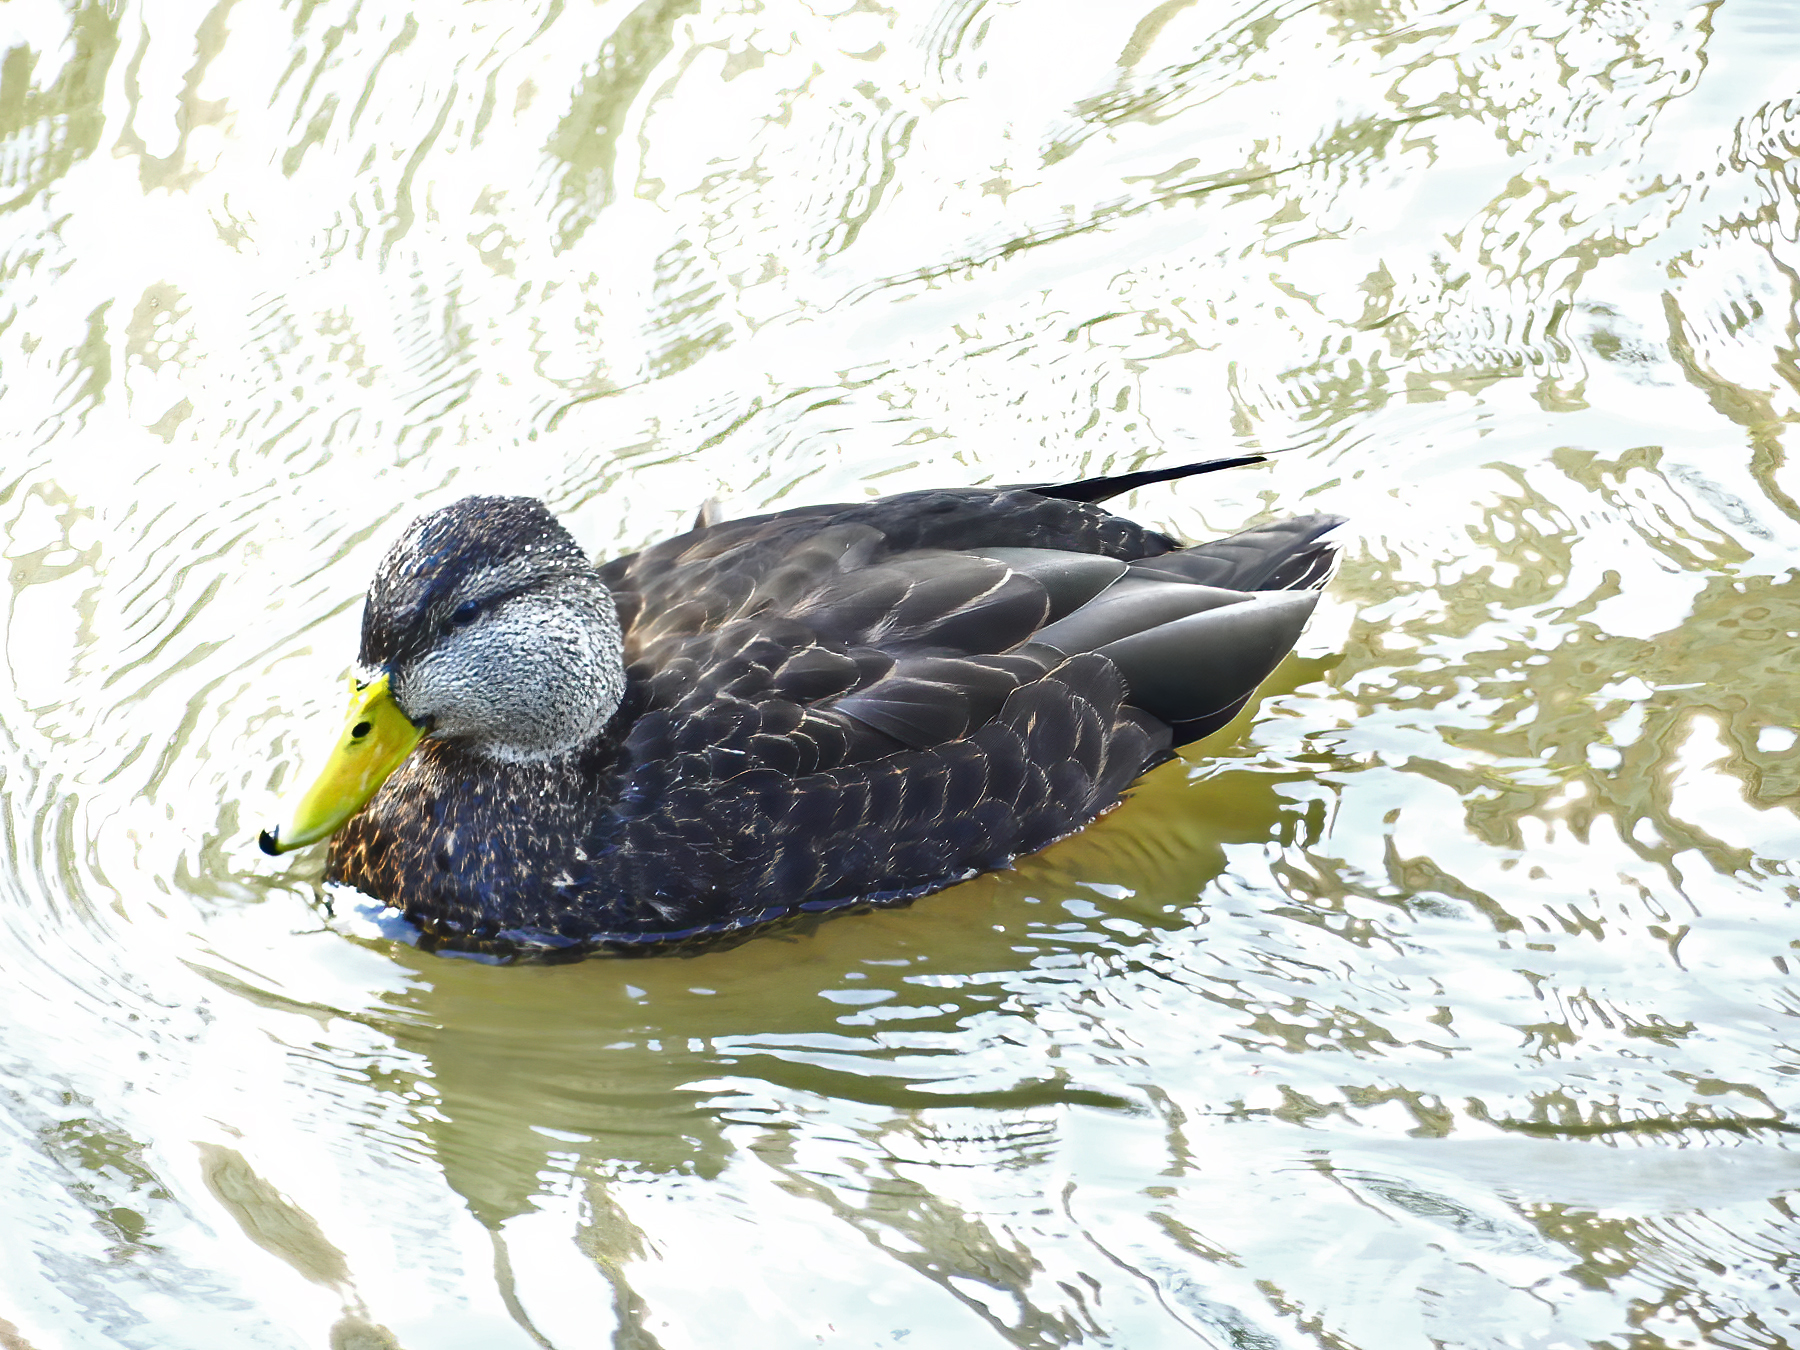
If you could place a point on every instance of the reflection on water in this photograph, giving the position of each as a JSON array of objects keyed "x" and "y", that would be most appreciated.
[{"x": 1445, "y": 1001}]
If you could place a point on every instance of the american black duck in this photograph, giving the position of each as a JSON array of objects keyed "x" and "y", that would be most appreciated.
[{"x": 820, "y": 708}]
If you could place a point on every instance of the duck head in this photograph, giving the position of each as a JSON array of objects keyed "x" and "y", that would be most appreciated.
[{"x": 485, "y": 624}]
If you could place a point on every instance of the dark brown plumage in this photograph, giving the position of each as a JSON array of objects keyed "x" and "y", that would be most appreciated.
[{"x": 824, "y": 707}]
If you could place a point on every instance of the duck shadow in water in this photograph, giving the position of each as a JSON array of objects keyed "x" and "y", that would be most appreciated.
[{"x": 643, "y": 1065}]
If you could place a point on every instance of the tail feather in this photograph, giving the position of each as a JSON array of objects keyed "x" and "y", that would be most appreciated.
[
  {"x": 1190, "y": 668},
  {"x": 1196, "y": 630},
  {"x": 1099, "y": 489},
  {"x": 1284, "y": 555}
]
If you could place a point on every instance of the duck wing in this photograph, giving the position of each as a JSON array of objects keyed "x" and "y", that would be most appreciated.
[
  {"x": 906, "y": 622},
  {"x": 867, "y": 628}
]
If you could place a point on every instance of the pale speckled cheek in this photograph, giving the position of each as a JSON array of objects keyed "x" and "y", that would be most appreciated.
[{"x": 535, "y": 678}]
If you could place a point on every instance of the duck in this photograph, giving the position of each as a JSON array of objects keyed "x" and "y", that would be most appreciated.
[{"x": 815, "y": 710}]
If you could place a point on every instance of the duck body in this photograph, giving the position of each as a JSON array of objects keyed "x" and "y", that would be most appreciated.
[{"x": 822, "y": 708}]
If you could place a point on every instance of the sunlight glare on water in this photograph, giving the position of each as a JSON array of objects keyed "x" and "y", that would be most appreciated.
[{"x": 1442, "y": 1002}]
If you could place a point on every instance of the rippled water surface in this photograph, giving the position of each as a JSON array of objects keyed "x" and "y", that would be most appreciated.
[{"x": 1449, "y": 1001}]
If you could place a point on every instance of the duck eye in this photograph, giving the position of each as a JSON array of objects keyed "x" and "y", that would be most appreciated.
[{"x": 464, "y": 614}]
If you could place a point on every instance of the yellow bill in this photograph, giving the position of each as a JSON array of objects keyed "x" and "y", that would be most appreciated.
[{"x": 377, "y": 737}]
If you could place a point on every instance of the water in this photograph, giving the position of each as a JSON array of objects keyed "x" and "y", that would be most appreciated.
[{"x": 1448, "y": 1002}]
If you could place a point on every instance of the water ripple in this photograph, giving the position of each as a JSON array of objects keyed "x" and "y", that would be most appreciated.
[{"x": 1446, "y": 998}]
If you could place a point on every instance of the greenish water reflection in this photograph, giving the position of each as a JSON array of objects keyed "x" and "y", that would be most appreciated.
[{"x": 1447, "y": 1001}]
